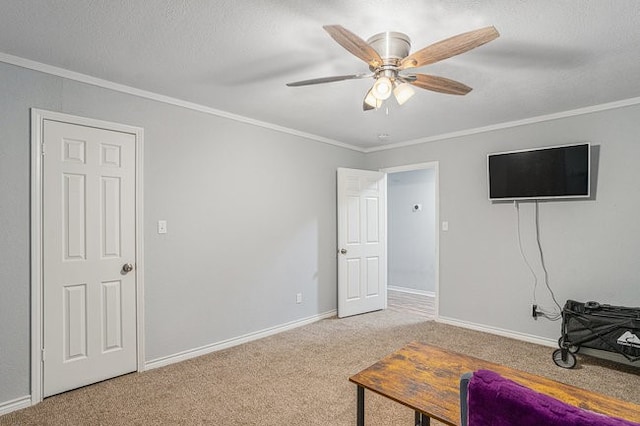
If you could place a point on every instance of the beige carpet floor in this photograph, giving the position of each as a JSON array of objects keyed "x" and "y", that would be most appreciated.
[{"x": 300, "y": 377}]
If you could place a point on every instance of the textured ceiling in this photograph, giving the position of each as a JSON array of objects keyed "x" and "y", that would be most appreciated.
[{"x": 237, "y": 56}]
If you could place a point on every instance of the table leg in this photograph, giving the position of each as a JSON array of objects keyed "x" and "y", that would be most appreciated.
[{"x": 360, "y": 406}]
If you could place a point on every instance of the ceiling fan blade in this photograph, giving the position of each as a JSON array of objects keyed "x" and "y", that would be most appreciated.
[
  {"x": 438, "y": 84},
  {"x": 354, "y": 44},
  {"x": 450, "y": 47},
  {"x": 328, "y": 79}
]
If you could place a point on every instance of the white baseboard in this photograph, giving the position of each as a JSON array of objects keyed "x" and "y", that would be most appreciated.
[
  {"x": 411, "y": 291},
  {"x": 15, "y": 404},
  {"x": 500, "y": 332},
  {"x": 552, "y": 343},
  {"x": 203, "y": 350}
]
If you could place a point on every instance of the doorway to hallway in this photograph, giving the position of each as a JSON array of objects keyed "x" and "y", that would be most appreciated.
[
  {"x": 421, "y": 305},
  {"x": 412, "y": 245}
]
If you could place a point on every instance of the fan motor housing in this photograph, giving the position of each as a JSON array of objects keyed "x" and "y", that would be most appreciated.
[{"x": 391, "y": 46}]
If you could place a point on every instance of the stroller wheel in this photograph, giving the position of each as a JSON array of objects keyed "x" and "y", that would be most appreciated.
[
  {"x": 564, "y": 358},
  {"x": 571, "y": 348}
]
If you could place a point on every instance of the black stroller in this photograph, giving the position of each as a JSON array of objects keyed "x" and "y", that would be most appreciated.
[{"x": 595, "y": 326}]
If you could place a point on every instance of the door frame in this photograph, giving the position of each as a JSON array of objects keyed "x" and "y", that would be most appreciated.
[
  {"x": 38, "y": 116},
  {"x": 421, "y": 166}
]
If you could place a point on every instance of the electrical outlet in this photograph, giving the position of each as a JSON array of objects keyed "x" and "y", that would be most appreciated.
[
  {"x": 299, "y": 298},
  {"x": 534, "y": 311}
]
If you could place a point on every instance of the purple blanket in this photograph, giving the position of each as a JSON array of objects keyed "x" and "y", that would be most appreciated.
[{"x": 496, "y": 401}]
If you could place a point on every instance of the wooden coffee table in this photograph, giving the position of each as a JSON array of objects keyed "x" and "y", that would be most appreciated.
[{"x": 427, "y": 380}]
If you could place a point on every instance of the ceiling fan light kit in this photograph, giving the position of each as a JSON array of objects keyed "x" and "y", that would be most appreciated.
[
  {"x": 387, "y": 55},
  {"x": 382, "y": 88},
  {"x": 371, "y": 101},
  {"x": 403, "y": 92}
]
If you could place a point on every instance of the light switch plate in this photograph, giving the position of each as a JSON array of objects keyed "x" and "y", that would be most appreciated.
[{"x": 162, "y": 227}]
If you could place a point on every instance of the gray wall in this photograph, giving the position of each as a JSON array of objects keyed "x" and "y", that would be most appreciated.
[
  {"x": 591, "y": 247},
  {"x": 251, "y": 220},
  {"x": 411, "y": 234}
]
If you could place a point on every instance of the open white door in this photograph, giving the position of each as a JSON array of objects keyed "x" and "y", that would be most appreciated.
[{"x": 362, "y": 247}]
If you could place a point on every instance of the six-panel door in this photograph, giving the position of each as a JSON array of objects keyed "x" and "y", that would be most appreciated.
[
  {"x": 362, "y": 262},
  {"x": 89, "y": 303}
]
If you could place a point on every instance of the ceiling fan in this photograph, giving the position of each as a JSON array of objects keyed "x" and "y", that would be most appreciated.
[{"x": 388, "y": 57}]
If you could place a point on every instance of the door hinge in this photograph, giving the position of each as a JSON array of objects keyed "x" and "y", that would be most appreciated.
[
  {"x": 42, "y": 351},
  {"x": 42, "y": 148}
]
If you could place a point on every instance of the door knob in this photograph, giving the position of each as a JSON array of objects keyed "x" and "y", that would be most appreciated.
[
  {"x": 343, "y": 251},
  {"x": 127, "y": 267}
]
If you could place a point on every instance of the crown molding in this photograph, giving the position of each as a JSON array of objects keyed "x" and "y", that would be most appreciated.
[
  {"x": 106, "y": 84},
  {"x": 509, "y": 124}
]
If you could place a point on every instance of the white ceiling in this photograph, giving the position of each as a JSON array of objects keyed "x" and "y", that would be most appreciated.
[{"x": 237, "y": 55}]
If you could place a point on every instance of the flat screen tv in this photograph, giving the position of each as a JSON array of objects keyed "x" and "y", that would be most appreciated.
[{"x": 541, "y": 173}]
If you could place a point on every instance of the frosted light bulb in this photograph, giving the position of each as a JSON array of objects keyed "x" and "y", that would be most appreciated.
[{"x": 382, "y": 88}]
